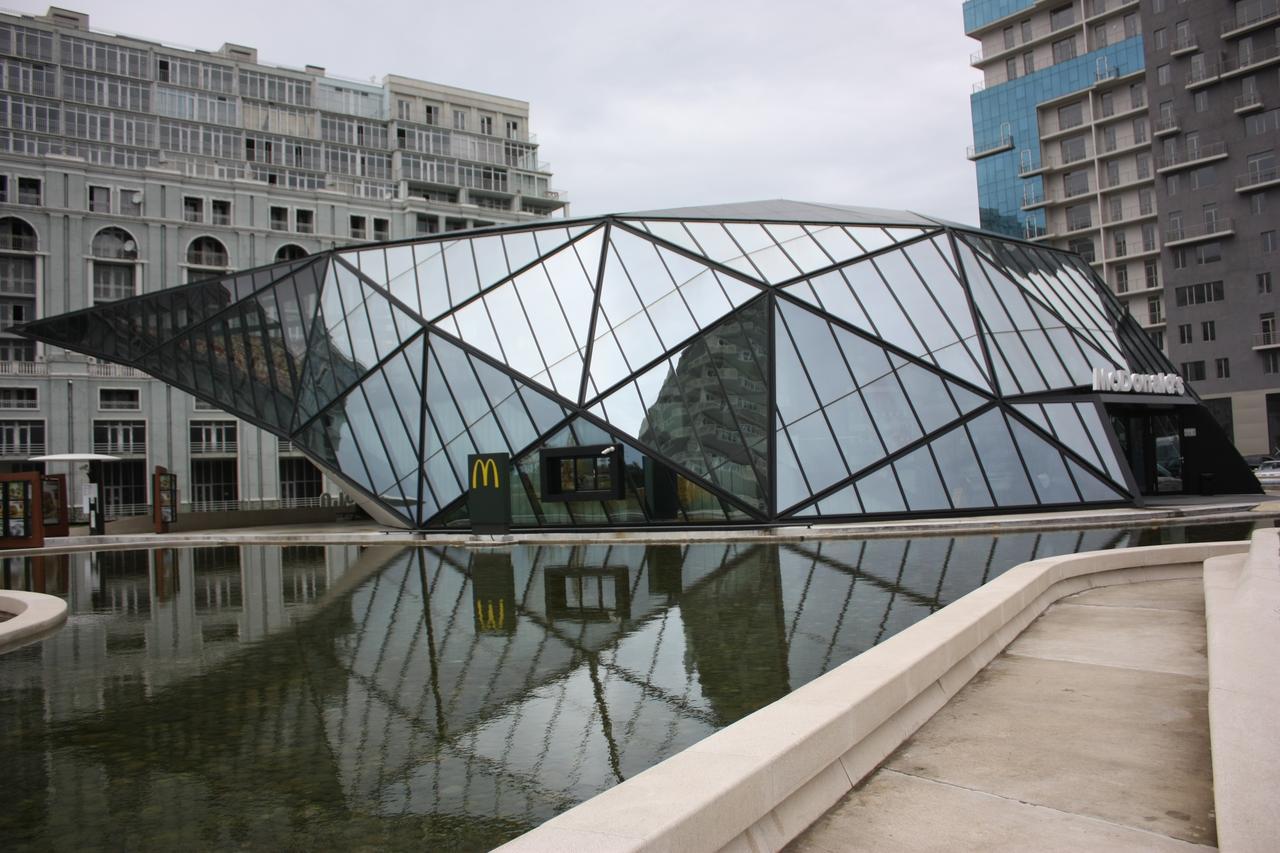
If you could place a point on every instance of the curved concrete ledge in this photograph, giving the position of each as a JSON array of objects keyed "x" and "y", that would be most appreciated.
[
  {"x": 1242, "y": 616},
  {"x": 34, "y": 616},
  {"x": 758, "y": 783}
]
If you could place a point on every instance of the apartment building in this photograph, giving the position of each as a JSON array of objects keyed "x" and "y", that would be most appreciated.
[
  {"x": 1098, "y": 128},
  {"x": 127, "y": 166}
]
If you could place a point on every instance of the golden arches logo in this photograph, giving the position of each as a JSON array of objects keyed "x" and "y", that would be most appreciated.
[
  {"x": 488, "y": 619},
  {"x": 480, "y": 472}
]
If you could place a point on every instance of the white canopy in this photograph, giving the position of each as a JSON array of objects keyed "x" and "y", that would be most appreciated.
[{"x": 75, "y": 457}]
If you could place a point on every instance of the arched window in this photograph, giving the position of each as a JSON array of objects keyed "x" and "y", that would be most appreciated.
[
  {"x": 290, "y": 252},
  {"x": 209, "y": 255},
  {"x": 115, "y": 265},
  {"x": 18, "y": 276}
]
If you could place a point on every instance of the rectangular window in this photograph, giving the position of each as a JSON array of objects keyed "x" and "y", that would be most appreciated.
[
  {"x": 19, "y": 398},
  {"x": 1070, "y": 115},
  {"x": 1201, "y": 101},
  {"x": 1198, "y": 294},
  {"x": 1161, "y": 38},
  {"x": 1163, "y": 75},
  {"x": 214, "y": 485},
  {"x": 305, "y": 221},
  {"x": 99, "y": 199},
  {"x": 431, "y": 114},
  {"x": 112, "y": 281},
  {"x": 381, "y": 229},
  {"x": 192, "y": 209},
  {"x": 1151, "y": 270},
  {"x": 120, "y": 399},
  {"x": 1264, "y": 282},
  {"x": 1223, "y": 367},
  {"x": 1208, "y": 253},
  {"x": 1209, "y": 330},
  {"x": 1155, "y": 310},
  {"x": 1064, "y": 49},
  {"x": 486, "y": 125},
  {"x": 404, "y": 110},
  {"x": 1268, "y": 242},
  {"x": 1122, "y": 279},
  {"x": 1079, "y": 216},
  {"x": 131, "y": 202},
  {"x": 582, "y": 473},
  {"x": 1074, "y": 149},
  {"x": 1271, "y": 362},
  {"x": 29, "y": 191},
  {"x": 513, "y": 129},
  {"x": 1184, "y": 334},
  {"x": 1063, "y": 16},
  {"x": 221, "y": 212},
  {"x": 120, "y": 437},
  {"x": 1192, "y": 371},
  {"x": 279, "y": 219},
  {"x": 426, "y": 224},
  {"x": 1028, "y": 62},
  {"x": 358, "y": 231},
  {"x": 21, "y": 438},
  {"x": 1075, "y": 183},
  {"x": 459, "y": 119},
  {"x": 1010, "y": 70},
  {"x": 213, "y": 437},
  {"x": 300, "y": 480}
]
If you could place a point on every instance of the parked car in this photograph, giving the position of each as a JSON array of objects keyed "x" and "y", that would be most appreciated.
[
  {"x": 1268, "y": 473},
  {"x": 1253, "y": 460}
]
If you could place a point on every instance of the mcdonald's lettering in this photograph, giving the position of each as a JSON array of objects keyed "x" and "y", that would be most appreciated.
[{"x": 480, "y": 470}]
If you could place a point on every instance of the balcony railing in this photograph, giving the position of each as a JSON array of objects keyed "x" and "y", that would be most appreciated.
[
  {"x": 111, "y": 369},
  {"x": 1266, "y": 339},
  {"x": 24, "y": 368},
  {"x": 1123, "y": 178},
  {"x": 121, "y": 448},
  {"x": 1183, "y": 159},
  {"x": 22, "y": 448},
  {"x": 1165, "y": 125},
  {"x": 1126, "y": 214},
  {"x": 1248, "y": 102},
  {"x": 1255, "y": 58},
  {"x": 284, "y": 445},
  {"x": 976, "y": 152},
  {"x": 1203, "y": 75},
  {"x": 1220, "y": 227},
  {"x": 213, "y": 446},
  {"x": 1256, "y": 179},
  {"x": 1033, "y": 230},
  {"x": 1250, "y": 16},
  {"x": 1186, "y": 43}
]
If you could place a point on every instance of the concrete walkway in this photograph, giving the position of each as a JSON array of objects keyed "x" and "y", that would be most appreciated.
[{"x": 1089, "y": 732}]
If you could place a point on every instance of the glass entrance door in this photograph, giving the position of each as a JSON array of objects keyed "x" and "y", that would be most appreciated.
[{"x": 1152, "y": 445}]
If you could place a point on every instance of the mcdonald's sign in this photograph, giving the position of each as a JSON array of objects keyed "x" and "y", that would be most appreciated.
[{"x": 489, "y": 496}]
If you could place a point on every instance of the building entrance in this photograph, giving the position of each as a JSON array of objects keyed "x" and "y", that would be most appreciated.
[{"x": 1159, "y": 447}]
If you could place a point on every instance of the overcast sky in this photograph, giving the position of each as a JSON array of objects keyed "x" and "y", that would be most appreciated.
[{"x": 654, "y": 104}]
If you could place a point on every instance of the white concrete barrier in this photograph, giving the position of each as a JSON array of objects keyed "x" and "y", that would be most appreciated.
[
  {"x": 34, "y": 615},
  {"x": 1242, "y": 613},
  {"x": 758, "y": 783}
]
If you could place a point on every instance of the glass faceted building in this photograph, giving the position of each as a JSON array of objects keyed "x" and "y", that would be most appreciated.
[{"x": 768, "y": 362}]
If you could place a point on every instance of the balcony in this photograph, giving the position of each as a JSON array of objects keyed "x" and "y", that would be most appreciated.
[
  {"x": 121, "y": 448},
  {"x": 1181, "y": 235},
  {"x": 1119, "y": 145},
  {"x": 284, "y": 445},
  {"x": 1251, "y": 61},
  {"x": 223, "y": 448},
  {"x": 1257, "y": 179},
  {"x": 1034, "y": 197},
  {"x": 1249, "y": 102},
  {"x": 1166, "y": 125},
  {"x": 1128, "y": 214},
  {"x": 24, "y": 368},
  {"x": 23, "y": 449},
  {"x": 117, "y": 371},
  {"x": 1194, "y": 157},
  {"x": 1033, "y": 230},
  {"x": 1249, "y": 17},
  {"x": 977, "y": 152},
  {"x": 1185, "y": 44},
  {"x": 1198, "y": 78},
  {"x": 1125, "y": 179},
  {"x": 1266, "y": 339}
]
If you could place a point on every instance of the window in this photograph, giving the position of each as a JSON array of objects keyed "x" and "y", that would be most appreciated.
[
  {"x": 1223, "y": 367},
  {"x": 1208, "y": 253},
  {"x": 19, "y": 398},
  {"x": 99, "y": 199},
  {"x": 29, "y": 190},
  {"x": 1203, "y": 177},
  {"x": 214, "y": 485},
  {"x": 1148, "y": 238},
  {"x": 1099, "y": 36},
  {"x": 1209, "y": 330},
  {"x": 404, "y": 110},
  {"x": 1122, "y": 279},
  {"x": 1025, "y": 27},
  {"x": 124, "y": 437},
  {"x": 209, "y": 253},
  {"x": 1075, "y": 183},
  {"x": 1184, "y": 334},
  {"x": 1192, "y": 371},
  {"x": 213, "y": 436},
  {"x": 1264, "y": 282},
  {"x": 513, "y": 129},
  {"x": 1120, "y": 244},
  {"x": 1179, "y": 259},
  {"x": 1201, "y": 101},
  {"x": 1155, "y": 310},
  {"x": 1007, "y": 34},
  {"x": 305, "y": 221},
  {"x": 192, "y": 209},
  {"x": 1257, "y": 203},
  {"x": 1271, "y": 362},
  {"x": 358, "y": 231},
  {"x": 424, "y": 224},
  {"x": 221, "y": 212},
  {"x": 431, "y": 114},
  {"x": 115, "y": 255},
  {"x": 1268, "y": 241},
  {"x": 279, "y": 219},
  {"x": 1156, "y": 336},
  {"x": 300, "y": 480},
  {"x": 125, "y": 399},
  {"x": 21, "y": 438},
  {"x": 290, "y": 252},
  {"x": 459, "y": 119},
  {"x": 1161, "y": 38},
  {"x": 1070, "y": 115},
  {"x": 1064, "y": 49},
  {"x": 1028, "y": 62},
  {"x": 1073, "y": 149},
  {"x": 131, "y": 202},
  {"x": 1063, "y": 16},
  {"x": 381, "y": 229},
  {"x": 1163, "y": 76},
  {"x": 1079, "y": 216},
  {"x": 1130, "y": 25},
  {"x": 18, "y": 262},
  {"x": 486, "y": 125},
  {"x": 1198, "y": 294},
  {"x": 1137, "y": 95},
  {"x": 582, "y": 473},
  {"x": 1010, "y": 70},
  {"x": 1151, "y": 270}
]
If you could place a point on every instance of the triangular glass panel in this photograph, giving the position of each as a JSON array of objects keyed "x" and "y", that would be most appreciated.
[
  {"x": 705, "y": 408},
  {"x": 1093, "y": 489},
  {"x": 1066, "y": 422}
]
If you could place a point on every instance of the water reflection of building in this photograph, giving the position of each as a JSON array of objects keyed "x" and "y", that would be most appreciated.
[{"x": 381, "y": 709}]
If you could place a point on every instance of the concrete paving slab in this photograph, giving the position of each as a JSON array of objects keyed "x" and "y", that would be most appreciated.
[
  {"x": 1134, "y": 637},
  {"x": 899, "y": 812},
  {"x": 1121, "y": 745},
  {"x": 1186, "y": 594}
]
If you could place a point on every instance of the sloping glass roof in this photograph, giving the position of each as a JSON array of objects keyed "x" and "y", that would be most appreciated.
[{"x": 753, "y": 362}]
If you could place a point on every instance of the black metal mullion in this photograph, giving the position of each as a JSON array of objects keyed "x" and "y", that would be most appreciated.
[
  {"x": 706, "y": 261},
  {"x": 595, "y": 313},
  {"x": 422, "y": 426},
  {"x": 1058, "y": 444},
  {"x": 1005, "y": 308},
  {"x": 817, "y": 398},
  {"x": 946, "y": 318},
  {"x": 771, "y": 406}
]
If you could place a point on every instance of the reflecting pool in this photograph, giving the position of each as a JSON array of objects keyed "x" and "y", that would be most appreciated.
[{"x": 426, "y": 698}]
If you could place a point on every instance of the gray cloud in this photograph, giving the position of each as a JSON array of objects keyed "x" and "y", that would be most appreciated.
[{"x": 661, "y": 103}]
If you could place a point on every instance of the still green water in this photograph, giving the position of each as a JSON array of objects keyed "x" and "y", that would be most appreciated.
[{"x": 317, "y": 698}]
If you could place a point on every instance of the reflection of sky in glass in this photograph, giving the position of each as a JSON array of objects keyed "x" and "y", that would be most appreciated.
[{"x": 318, "y": 697}]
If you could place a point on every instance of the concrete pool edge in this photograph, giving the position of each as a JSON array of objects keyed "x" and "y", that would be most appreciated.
[
  {"x": 1249, "y": 510},
  {"x": 761, "y": 781},
  {"x": 35, "y": 615}
]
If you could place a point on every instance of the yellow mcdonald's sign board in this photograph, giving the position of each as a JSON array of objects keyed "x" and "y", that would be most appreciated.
[
  {"x": 489, "y": 496},
  {"x": 489, "y": 618},
  {"x": 481, "y": 469}
]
